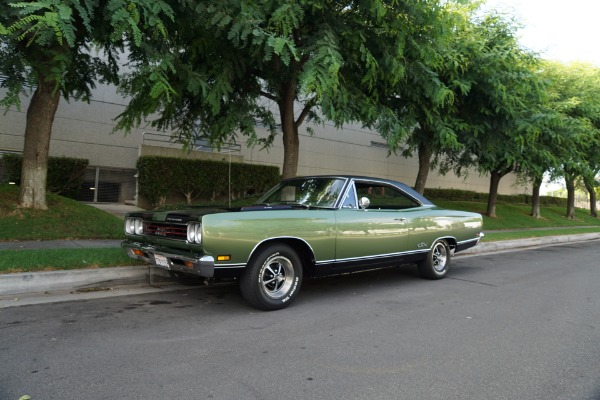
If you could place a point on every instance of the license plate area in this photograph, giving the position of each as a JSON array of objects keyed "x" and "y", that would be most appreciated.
[{"x": 161, "y": 261}]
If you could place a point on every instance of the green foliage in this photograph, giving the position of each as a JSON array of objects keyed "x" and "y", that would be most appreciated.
[
  {"x": 73, "y": 42},
  {"x": 154, "y": 178},
  {"x": 67, "y": 46},
  {"x": 504, "y": 97},
  {"x": 158, "y": 177},
  {"x": 280, "y": 61},
  {"x": 574, "y": 100},
  {"x": 65, "y": 174},
  {"x": 466, "y": 195},
  {"x": 11, "y": 164}
]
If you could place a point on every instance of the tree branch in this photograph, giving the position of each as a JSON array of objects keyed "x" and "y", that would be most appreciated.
[
  {"x": 309, "y": 104},
  {"x": 268, "y": 95}
]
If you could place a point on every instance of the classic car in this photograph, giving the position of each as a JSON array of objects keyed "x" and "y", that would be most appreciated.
[{"x": 304, "y": 227}]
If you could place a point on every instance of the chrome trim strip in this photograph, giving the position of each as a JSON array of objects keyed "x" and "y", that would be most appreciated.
[
  {"x": 469, "y": 240},
  {"x": 275, "y": 238},
  {"x": 386, "y": 183},
  {"x": 373, "y": 257},
  {"x": 230, "y": 266}
]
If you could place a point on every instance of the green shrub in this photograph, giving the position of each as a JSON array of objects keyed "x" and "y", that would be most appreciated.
[
  {"x": 65, "y": 174},
  {"x": 466, "y": 195},
  {"x": 160, "y": 177},
  {"x": 11, "y": 164}
]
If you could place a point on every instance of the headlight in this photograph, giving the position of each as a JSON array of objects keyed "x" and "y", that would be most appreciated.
[
  {"x": 139, "y": 226},
  {"x": 194, "y": 232},
  {"x": 134, "y": 226}
]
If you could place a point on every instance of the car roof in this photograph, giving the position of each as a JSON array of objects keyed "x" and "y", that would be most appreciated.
[{"x": 409, "y": 190}]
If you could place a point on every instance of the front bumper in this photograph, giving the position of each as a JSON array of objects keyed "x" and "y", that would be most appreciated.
[{"x": 203, "y": 266}]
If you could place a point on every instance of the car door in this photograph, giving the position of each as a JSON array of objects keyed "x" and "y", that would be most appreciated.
[{"x": 373, "y": 236}]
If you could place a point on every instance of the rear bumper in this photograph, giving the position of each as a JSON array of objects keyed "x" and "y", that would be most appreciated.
[
  {"x": 203, "y": 266},
  {"x": 467, "y": 244}
]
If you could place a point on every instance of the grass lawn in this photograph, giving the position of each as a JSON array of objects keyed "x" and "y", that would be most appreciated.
[
  {"x": 64, "y": 219},
  {"x": 514, "y": 235},
  {"x": 70, "y": 219},
  {"x": 14, "y": 261},
  {"x": 517, "y": 216}
]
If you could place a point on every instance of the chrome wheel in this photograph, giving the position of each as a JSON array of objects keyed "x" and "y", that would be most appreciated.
[
  {"x": 439, "y": 257},
  {"x": 437, "y": 262},
  {"x": 272, "y": 278},
  {"x": 276, "y": 277}
]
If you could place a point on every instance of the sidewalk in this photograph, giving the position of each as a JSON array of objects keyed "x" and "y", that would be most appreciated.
[{"x": 104, "y": 281}]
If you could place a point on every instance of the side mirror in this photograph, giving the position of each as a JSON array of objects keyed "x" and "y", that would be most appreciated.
[{"x": 364, "y": 203}]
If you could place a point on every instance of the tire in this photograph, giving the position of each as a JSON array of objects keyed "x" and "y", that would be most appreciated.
[
  {"x": 272, "y": 278},
  {"x": 437, "y": 263}
]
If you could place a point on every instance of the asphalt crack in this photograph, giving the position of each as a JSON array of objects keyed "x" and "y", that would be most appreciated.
[{"x": 470, "y": 281}]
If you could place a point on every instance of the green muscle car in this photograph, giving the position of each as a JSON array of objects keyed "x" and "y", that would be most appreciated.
[{"x": 309, "y": 226}]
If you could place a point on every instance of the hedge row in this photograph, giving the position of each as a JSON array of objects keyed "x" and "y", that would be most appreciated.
[
  {"x": 465, "y": 195},
  {"x": 161, "y": 177},
  {"x": 65, "y": 174}
]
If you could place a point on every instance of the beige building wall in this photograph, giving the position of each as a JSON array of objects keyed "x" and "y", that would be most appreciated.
[
  {"x": 357, "y": 151},
  {"x": 85, "y": 131},
  {"x": 80, "y": 130}
]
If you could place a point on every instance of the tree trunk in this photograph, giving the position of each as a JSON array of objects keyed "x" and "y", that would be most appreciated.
[
  {"x": 570, "y": 183},
  {"x": 535, "y": 198},
  {"x": 425, "y": 151},
  {"x": 495, "y": 177},
  {"x": 40, "y": 117},
  {"x": 589, "y": 185},
  {"x": 291, "y": 142}
]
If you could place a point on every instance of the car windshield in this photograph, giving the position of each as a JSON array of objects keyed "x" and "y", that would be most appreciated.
[{"x": 307, "y": 192}]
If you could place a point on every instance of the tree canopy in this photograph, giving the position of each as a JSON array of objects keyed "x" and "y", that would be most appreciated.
[
  {"x": 236, "y": 63},
  {"x": 498, "y": 112},
  {"x": 65, "y": 47},
  {"x": 574, "y": 98}
]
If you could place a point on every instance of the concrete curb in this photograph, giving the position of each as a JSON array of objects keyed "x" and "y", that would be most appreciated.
[
  {"x": 523, "y": 244},
  {"x": 52, "y": 281}
]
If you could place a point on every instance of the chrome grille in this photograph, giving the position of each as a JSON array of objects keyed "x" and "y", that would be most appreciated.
[{"x": 166, "y": 230}]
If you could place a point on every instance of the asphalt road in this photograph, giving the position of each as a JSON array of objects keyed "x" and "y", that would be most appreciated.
[{"x": 522, "y": 325}]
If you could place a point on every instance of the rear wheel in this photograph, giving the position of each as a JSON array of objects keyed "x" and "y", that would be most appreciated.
[
  {"x": 437, "y": 263},
  {"x": 272, "y": 278}
]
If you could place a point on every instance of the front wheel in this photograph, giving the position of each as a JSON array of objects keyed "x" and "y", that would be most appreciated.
[
  {"x": 272, "y": 278},
  {"x": 437, "y": 263}
]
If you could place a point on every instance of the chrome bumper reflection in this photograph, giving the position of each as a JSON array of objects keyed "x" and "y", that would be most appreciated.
[{"x": 200, "y": 266}]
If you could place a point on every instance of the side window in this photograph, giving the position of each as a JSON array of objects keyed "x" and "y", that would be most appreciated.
[
  {"x": 350, "y": 199},
  {"x": 384, "y": 197}
]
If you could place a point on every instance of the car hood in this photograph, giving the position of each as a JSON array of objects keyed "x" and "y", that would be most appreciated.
[
  {"x": 178, "y": 216},
  {"x": 196, "y": 214}
]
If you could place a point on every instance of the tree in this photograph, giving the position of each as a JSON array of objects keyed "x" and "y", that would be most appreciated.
[
  {"x": 500, "y": 107},
  {"x": 541, "y": 157},
  {"x": 574, "y": 91},
  {"x": 437, "y": 79},
  {"x": 64, "y": 48},
  {"x": 234, "y": 64}
]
